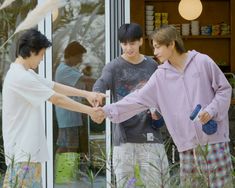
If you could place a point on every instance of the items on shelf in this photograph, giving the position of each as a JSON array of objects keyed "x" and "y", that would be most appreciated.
[
  {"x": 161, "y": 18},
  {"x": 185, "y": 30},
  {"x": 195, "y": 27},
  {"x": 206, "y": 30},
  {"x": 224, "y": 29},
  {"x": 191, "y": 28},
  {"x": 164, "y": 18},
  {"x": 177, "y": 26},
  {"x": 154, "y": 19},
  {"x": 158, "y": 19},
  {"x": 149, "y": 19},
  {"x": 215, "y": 30}
]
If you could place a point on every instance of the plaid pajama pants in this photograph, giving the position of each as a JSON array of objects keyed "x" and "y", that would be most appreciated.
[{"x": 206, "y": 166}]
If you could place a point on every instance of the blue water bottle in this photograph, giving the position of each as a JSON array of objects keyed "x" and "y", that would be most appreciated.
[{"x": 210, "y": 127}]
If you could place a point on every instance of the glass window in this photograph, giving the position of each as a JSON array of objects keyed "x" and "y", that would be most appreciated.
[{"x": 78, "y": 58}]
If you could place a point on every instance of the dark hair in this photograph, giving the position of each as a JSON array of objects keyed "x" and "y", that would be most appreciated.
[
  {"x": 74, "y": 48},
  {"x": 130, "y": 32},
  {"x": 167, "y": 34},
  {"x": 31, "y": 41}
]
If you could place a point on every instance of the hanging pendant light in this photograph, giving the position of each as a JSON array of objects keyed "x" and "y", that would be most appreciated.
[{"x": 190, "y": 9}]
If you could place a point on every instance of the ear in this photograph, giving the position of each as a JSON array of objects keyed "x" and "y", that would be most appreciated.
[
  {"x": 172, "y": 44},
  {"x": 141, "y": 41}
]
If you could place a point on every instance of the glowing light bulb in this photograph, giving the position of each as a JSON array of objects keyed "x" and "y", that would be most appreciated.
[{"x": 190, "y": 9}]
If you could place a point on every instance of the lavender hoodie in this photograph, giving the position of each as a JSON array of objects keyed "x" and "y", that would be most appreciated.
[{"x": 175, "y": 95}]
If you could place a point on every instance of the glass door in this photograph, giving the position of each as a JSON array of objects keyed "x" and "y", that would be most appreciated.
[{"x": 78, "y": 35}]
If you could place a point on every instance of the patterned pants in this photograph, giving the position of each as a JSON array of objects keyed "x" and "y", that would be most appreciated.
[
  {"x": 140, "y": 165},
  {"x": 206, "y": 166},
  {"x": 23, "y": 175}
]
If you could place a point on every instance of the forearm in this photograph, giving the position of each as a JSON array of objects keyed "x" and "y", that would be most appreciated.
[
  {"x": 133, "y": 103},
  {"x": 124, "y": 109},
  {"x": 219, "y": 106},
  {"x": 69, "y": 104},
  {"x": 69, "y": 91}
]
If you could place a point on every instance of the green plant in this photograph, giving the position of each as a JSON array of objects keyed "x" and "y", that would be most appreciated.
[
  {"x": 202, "y": 177},
  {"x": 94, "y": 165}
]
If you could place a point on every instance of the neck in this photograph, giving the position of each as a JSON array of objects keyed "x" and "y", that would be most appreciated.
[
  {"x": 134, "y": 60},
  {"x": 20, "y": 60},
  {"x": 178, "y": 61}
]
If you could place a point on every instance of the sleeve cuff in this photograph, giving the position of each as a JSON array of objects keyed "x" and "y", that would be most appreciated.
[
  {"x": 210, "y": 111},
  {"x": 111, "y": 112}
]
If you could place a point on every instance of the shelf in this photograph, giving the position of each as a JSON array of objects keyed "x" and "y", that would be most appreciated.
[
  {"x": 219, "y": 48},
  {"x": 207, "y": 37},
  {"x": 203, "y": 37}
]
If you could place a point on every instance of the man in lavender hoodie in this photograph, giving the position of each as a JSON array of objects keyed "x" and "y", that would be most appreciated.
[{"x": 184, "y": 80}]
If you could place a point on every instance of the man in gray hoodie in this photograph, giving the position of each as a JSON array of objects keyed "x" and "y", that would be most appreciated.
[{"x": 138, "y": 151}]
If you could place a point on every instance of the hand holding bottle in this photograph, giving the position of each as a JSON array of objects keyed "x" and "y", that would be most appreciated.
[{"x": 209, "y": 126}]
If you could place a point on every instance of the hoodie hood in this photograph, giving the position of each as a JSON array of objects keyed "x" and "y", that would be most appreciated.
[{"x": 167, "y": 65}]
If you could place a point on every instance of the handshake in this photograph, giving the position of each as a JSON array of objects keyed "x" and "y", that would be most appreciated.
[{"x": 96, "y": 112}]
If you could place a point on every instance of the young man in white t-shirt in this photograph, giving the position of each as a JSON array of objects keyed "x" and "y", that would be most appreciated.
[{"x": 24, "y": 95}]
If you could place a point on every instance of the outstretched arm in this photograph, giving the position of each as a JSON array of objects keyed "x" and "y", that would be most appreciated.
[
  {"x": 65, "y": 102},
  {"x": 134, "y": 103},
  {"x": 93, "y": 97}
]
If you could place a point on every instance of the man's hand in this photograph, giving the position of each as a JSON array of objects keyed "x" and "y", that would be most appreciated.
[
  {"x": 95, "y": 99},
  {"x": 97, "y": 115},
  {"x": 204, "y": 117},
  {"x": 155, "y": 116}
]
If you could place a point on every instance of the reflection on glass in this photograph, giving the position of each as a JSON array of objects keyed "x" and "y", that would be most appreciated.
[
  {"x": 67, "y": 153},
  {"x": 78, "y": 58}
]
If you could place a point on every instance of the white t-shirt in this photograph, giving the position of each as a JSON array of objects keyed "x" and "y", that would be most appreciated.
[{"x": 24, "y": 96}]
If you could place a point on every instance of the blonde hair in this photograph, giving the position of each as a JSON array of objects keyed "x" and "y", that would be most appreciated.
[{"x": 167, "y": 34}]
